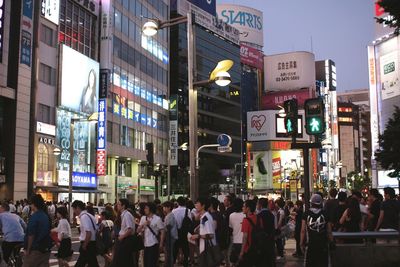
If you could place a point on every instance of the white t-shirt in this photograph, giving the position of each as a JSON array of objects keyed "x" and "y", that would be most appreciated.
[
  {"x": 156, "y": 225},
  {"x": 63, "y": 229},
  {"x": 207, "y": 228},
  {"x": 235, "y": 222},
  {"x": 179, "y": 214},
  {"x": 87, "y": 222},
  {"x": 12, "y": 208},
  {"x": 127, "y": 222}
]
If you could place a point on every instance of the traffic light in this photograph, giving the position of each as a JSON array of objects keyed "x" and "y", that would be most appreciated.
[
  {"x": 291, "y": 111},
  {"x": 315, "y": 116}
]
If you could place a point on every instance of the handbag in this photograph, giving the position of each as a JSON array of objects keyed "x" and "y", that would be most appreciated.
[
  {"x": 211, "y": 256},
  {"x": 137, "y": 241}
]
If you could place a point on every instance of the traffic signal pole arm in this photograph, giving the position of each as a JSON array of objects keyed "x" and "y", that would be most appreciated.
[{"x": 198, "y": 152}]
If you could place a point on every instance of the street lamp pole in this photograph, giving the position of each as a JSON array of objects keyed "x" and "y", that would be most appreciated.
[{"x": 71, "y": 165}]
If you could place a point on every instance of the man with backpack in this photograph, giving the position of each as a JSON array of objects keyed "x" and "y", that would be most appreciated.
[
  {"x": 316, "y": 226},
  {"x": 185, "y": 225},
  {"x": 267, "y": 237},
  {"x": 246, "y": 257}
]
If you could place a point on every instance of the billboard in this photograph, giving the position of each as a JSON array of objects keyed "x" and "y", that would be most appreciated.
[
  {"x": 273, "y": 100},
  {"x": 79, "y": 81},
  {"x": 248, "y": 21},
  {"x": 262, "y": 170},
  {"x": 206, "y": 5},
  {"x": 289, "y": 71},
  {"x": 389, "y": 70},
  {"x": 251, "y": 56}
]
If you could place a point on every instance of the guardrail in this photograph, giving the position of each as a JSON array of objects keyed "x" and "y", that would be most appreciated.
[{"x": 374, "y": 249}]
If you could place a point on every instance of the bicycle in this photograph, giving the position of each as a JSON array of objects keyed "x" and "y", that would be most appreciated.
[{"x": 16, "y": 256}]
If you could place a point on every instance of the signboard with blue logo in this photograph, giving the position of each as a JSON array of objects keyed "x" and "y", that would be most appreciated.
[
  {"x": 26, "y": 48},
  {"x": 84, "y": 179},
  {"x": 247, "y": 20},
  {"x": 27, "y": 9}
]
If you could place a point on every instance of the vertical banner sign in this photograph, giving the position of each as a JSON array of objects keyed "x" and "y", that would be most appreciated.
[
  {"x": 26, "y": 32},
  {"x": 26, "y": 48},
  {"x": 101, "y": 138},
  {"x": 104, "y": 83},
  {"x": 2, "y": 9},
  {"x": 106, "y": 35},
  {"x": 173, "y": 142}
]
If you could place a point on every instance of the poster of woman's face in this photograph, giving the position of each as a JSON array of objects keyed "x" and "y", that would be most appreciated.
[{"x": 79, "y": 81}]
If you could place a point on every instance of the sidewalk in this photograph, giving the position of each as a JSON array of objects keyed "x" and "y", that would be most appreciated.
[{"x": 289, "y": 260}]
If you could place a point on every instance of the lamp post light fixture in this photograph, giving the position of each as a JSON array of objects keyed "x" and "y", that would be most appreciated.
[{"x": 219, "y": 75}]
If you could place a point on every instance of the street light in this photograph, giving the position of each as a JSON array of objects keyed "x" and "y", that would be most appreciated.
[{"x": 219, "y": 75}]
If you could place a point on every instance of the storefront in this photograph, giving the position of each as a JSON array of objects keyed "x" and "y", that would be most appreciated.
[{"x": 45, "y": 180}]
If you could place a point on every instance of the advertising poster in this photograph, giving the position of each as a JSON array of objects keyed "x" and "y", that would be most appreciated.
[
  {"x": 84, "y": 145},
  {"x": 251, "y": 56},
  {"x": 262, "y": 170},
  {"x": 276, "y": 169},
  {"x": 389, "y": 65},
  {"x": 273, "y": 100},
  {"x": 79, "y": 85}
]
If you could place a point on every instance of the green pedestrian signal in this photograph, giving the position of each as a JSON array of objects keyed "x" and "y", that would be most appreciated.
[
  {"x": 289, "y": 127},
  {"x": 291, "y": 114},
  {"x": 315, "y": 116}
]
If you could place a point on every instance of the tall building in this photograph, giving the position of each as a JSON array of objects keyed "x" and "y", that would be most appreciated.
[
  {"x": 384, "y": 91},
  {"x": 219, "y": 108},
  {"x": 16, "y": 69},
  {"x": 64, "y": 63},
  {"x": 361, "y": 99},
  {"x": 349, "y": 139}
]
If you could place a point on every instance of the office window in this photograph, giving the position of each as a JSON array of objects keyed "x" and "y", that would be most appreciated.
[
  {"x": 43, "y": 113},
  {"x": 109, "y": 130},
  {"x": 124, "y": 136},
  {"x": 47, "y": 35},
  {"x": 118, "y": 20},
  {"x": 131, "y": 137},
  {"x": 47, "y": 74}
]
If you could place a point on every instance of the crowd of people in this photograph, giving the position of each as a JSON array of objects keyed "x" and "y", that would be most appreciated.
[{"x": 206, "y": 232}]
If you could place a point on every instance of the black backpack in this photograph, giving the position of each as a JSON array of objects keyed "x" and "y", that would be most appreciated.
[
  {"x": 106, "y": 236},
  {"x": 187, "y": 226},
  {"x": 260, "y": 239}
]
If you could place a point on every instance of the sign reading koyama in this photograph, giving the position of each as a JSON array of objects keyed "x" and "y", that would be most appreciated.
[
  {"x": 289, "y": 71},
  {"x": 247, "y": 20}
]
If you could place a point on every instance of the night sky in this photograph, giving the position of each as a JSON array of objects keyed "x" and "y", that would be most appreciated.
[{"x": 340, "y": 29}]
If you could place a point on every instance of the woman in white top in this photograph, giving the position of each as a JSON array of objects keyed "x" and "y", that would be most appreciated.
[
  {"x": 235, "y": 223},
  {"x": 63, "y": 231}
]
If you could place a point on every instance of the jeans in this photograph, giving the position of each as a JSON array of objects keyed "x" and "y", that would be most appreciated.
[
  {"x": 280, "y": 246},
  {"x": 37, "y": 259},
  {"x": 151, "y": 256},
  {"x": 88, "y": 256},
  {"x": 123, "y": 253},
  {"x": 7, "y": 248},
  {"x": 169, "y": 252}
]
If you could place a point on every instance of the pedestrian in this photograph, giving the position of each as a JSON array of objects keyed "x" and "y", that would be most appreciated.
[
  {"x": 153, "y": 228},
  {"x": 51, "y": 208},
  {"x": 351, "y": 219},
  {"x": 37, "y": 239},
  {"x": 225, "y": 233},
  {"x": 281, "y": 222},
  {"x": 13, "y": 209},
  {"x": 123, "y": 252},
  {"x": 332, "y": 203},
  {"x": 26, "y": 211},
  {"x": 13, "y": 229},
  {"x": 205, "y": 233},
  {"x": 267, "y": 245},
  {"x": 63, "y": 231},
  {"x": 235, "y": 224},
  {"x": 374, "y": 208},
  {"x": 316, "y": 226},
  {"x": 298, "y": 214},
  {"x": 220, "y": 225},
  {"x": 246, "y": 258},
  {"x": 184, "y": 223},
  {"x": 171, "y": 233},
  {"x": 87, "y": 237},
  {"x": 106, "y": 228},
  {"x": 389, "y": 213}
]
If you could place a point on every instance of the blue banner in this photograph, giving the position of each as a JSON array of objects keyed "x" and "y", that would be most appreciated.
[
  {"x": 27, "y": 9},
  {"x": 84, "y": 179},
  {"x": 206, "y": 5},
  {"x": 101, "y": 126},
  {"x": 26, "y": 48}
]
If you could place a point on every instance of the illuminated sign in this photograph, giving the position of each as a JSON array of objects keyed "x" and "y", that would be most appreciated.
[
  {"x": 50, "y": 9},
  {"x": 45, "y": 128},
  {"x": 101, "y": 138},
  {"x": 101, "y": 162},
  {"x": 84, "y": 179}
]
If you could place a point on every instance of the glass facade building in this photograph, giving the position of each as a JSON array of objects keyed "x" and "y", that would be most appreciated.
[{"x": 219, "y": 108}]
